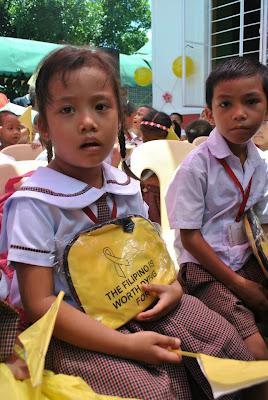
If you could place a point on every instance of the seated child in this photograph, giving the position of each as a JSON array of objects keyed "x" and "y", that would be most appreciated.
[
  {"x": 154, "y": 126},
  {"x": 214, "y": 186},
  {"x": 78, "y": 98},
  {"x": 10, "y": 129}
]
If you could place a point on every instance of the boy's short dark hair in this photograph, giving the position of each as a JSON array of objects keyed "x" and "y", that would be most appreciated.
[
  {"x": 233, "y": 68},
  {"x": 197, "y": 128},
  {"x": 5, "y": 113}
]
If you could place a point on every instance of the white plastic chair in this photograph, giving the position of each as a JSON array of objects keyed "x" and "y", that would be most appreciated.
[
  {"x": 22, "y": 151},
  {"x": 17, "y": 168},
  {"x": 162, "y": 157}
]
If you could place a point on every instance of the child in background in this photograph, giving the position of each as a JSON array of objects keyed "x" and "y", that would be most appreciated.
[
  {"x": 154, "y": 126},
  {"x": 205, "y": 204},
  {"x": 138, "y": 117},
  {"x": 197, "y": 128},
  {"x": 10, "y": 129},
  {"x": 80, "y": 115}
]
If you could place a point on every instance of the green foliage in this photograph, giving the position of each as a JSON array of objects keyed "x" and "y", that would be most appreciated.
[{"x": 109, "y": 23}]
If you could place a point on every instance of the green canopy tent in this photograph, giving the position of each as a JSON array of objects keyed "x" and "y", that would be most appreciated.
[{"x": 19, "y": 59}]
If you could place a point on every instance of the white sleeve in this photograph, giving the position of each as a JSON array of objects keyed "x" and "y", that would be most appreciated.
[
  {"x": 185, "y": 199},
  {"x": 32, "y": 242}
]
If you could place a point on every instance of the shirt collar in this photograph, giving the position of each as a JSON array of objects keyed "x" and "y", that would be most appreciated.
[
  {"x": 220, "y": 149},
  {"x": 60, "y": 190}
]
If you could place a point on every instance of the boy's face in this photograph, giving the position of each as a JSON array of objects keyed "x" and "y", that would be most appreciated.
[
  {"x": 10, "y": 130},
  {"x": 239, "y": 107}
]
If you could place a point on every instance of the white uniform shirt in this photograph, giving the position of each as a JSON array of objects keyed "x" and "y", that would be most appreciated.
[
  {"x": 202, "y": 196},
  {"x": 47, "y": 213}
]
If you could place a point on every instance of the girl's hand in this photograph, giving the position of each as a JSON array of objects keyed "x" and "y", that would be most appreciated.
[
  {"x": 18, "y": 367},
  {"x": 253, "y": 294},
  {"x": 169, "y": 297},
  {"x": 153, "y": 348}
]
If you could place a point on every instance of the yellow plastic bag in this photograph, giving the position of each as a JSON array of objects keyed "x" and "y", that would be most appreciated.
[
  {"x": 106, "y": 266},
  {"x": 43, "y": 385},
  {"x": 53, "y": 387}
]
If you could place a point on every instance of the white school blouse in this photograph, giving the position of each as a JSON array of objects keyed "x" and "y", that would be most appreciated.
[
  {"x": 202, "y": 196},
  {"x": 46, "y": 213}
]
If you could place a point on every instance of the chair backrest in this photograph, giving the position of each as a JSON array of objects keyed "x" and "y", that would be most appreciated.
[
  {"x": 22, "y": 151},
  {"x": 17, "y": 168},
  {"x": 200, "y": 139},
  {"x": 162, "y": 157}
]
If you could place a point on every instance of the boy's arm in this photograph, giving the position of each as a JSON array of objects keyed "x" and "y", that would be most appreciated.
[{"x": 252, "y": 293}]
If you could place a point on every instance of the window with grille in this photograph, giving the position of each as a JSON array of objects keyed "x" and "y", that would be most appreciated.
[{"x": 238, "y": 28}]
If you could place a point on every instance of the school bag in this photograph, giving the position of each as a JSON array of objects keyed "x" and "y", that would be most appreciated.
[{"x": 106, "y": 265}]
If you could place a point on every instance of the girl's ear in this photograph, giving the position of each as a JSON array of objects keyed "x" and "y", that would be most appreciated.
[{"x": 209, "y": 116}]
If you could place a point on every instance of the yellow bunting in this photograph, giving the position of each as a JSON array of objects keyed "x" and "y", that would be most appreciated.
[
  {"x": 177, "y": 66},
  {"x": 143, "y": 76}
]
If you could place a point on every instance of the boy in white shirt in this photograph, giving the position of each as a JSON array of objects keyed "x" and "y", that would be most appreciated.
[{"x": 205, "y": 203}]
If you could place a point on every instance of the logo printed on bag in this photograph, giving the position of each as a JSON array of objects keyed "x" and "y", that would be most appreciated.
[{"x": 117, "y": 261}]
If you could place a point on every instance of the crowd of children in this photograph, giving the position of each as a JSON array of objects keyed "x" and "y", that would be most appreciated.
[{"x": 214, "y": 306}]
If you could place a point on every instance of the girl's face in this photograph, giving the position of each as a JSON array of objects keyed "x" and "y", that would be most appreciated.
[
  {"x": 141, "y": 112},
  {"x": 82, "y": 123}
]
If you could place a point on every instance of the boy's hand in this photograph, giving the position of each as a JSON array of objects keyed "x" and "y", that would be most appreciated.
[
  {"x": 254, "y": 295},
  {"x": 169, "y": 297},
  {"x": 153, "y": 348}
]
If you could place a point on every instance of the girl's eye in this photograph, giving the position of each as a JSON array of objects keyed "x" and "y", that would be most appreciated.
[
  {"x": 224, "y": 104},
  {"x": 67, "y": 110},
  {"x": 253, "y": 101},
  {"x": 101, "y": 107}
]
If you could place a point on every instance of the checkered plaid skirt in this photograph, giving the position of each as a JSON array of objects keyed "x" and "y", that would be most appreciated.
[
  {"x": 9, "y": 326},
  {"x": 201, "y": 284},
  {"x": 200, "y": 330}
]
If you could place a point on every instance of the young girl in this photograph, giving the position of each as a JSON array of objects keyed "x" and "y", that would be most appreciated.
[
  {"x": 222, "y": 178},
  {"x": 80, "y": 113}
]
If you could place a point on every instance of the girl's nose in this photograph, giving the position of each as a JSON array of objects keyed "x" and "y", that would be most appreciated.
[{"x": 87, "y": 122}]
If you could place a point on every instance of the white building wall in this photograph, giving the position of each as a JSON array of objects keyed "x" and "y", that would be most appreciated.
[{"x": 179, "y": 28}]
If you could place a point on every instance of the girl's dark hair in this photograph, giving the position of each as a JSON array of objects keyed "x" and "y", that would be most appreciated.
[
  {"x": 70, "y": 58},
  {"x": 234, "y": 68},
  {"x": 156, "y": 117}
]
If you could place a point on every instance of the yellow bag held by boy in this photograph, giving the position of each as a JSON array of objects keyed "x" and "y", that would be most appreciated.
[{"x": 106, "y": 266}]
